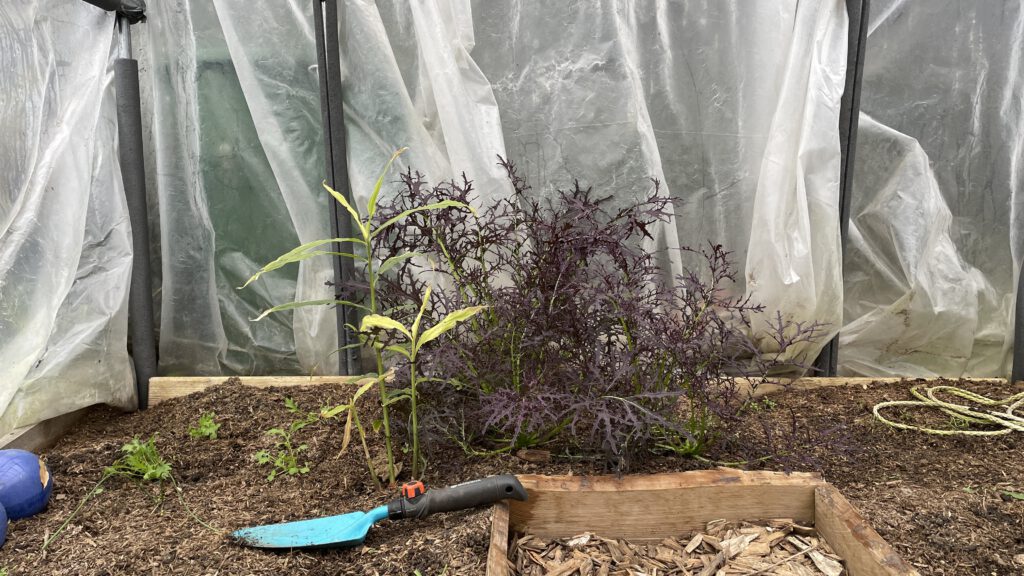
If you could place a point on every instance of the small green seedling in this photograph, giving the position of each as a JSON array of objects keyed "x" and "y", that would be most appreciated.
[
  {"x": 1013, "y": 495},
  {"x": 207, "y": 427},
  {"x": 142, "y": 462},
  {"x": 285, "y": 456}
]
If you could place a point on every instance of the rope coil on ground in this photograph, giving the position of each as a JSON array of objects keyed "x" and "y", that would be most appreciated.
[{"x": 1005, "y": 422}]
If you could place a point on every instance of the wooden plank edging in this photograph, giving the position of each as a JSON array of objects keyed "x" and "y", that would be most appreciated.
[
  {"x": 497, "y": 553},
  {"x": 166, "y": 387},
  {"x": 863, "y": 550},
  {"x": 646, "y": 507},
  {"x": 563, "y": 506}
]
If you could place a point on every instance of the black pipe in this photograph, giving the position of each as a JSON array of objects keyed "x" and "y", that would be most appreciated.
[
  {"x": 328, "y": 52},
  {"x": 133, "y": 10},
  {"x": 133, "y": 173},
  {"x": 827, "y": 363},
  {"x": 1017, "y": 373}
]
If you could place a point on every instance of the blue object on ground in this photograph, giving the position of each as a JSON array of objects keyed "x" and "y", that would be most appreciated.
[
  {"x": 3, "y": 526},
  {"x": 25, "y": 484}
]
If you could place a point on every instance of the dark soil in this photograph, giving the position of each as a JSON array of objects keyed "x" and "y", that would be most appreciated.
[{"x": 942, "y": 502}]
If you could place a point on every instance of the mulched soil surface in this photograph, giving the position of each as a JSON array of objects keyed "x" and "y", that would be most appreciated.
[{"x": 942, "y": 502}]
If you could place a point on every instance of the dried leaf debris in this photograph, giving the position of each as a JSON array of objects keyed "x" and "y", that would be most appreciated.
[{"x": 779, "y": 547}]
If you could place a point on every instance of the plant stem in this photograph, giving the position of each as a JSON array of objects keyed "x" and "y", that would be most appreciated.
[
  {"x": 383, "y": 391},
  {"x": 382, "y": 385},
  {"x": 366, "y": 449},
  {"x": 415, "y": 426},
  {"x": 93, "y": 492},
  {"x": 181, "y": 499}
]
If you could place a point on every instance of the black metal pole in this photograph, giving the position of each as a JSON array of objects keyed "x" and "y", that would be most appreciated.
[
  {"x": 1017, "y": 373},
  {"x": 133, "y": 10},
  {"x": 849, "y": 112},
  {"x": 328, "y": 52},
  {"x": 133, "y": 173}
]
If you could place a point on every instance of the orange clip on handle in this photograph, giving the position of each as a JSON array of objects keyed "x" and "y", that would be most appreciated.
[{"x": 411, "y": 490}]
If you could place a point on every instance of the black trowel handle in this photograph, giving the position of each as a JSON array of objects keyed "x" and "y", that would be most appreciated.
[{"x": 459, "y": 497}]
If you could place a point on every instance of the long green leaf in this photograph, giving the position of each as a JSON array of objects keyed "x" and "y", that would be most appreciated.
[
  {"x": 367, "y": 383},
  {"x": 446, "y": 324},
  {"x": 351, "y": 209},
  {"x": 300, "y": 253},
  {"x": 371, "y": 321},
  {"x": 395, "y": 261},
  {"x": 399, "y": 349},
  {"x": 371, "y": 207},
  {"x": 304, "y": 303},
  {"x": 434, "y": 206},
  {"x": 419, "y": 318}
]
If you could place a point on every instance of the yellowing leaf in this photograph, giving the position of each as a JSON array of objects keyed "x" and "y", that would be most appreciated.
[
  {"x": 372, "y": 321},
  {"x": 304, "y": 252},
  {"x": 348, "y": 432},
  {"x": 348, "y": 206},
  {"x": 446, "y": 324},
  {"x": 419, "y": 318},
  {"x": 371, "y": 207}
]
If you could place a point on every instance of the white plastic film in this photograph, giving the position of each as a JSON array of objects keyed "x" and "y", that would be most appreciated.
[
  {"x": 733, "y": 106},
  {"x": 935, "y": 234},
  {"x": 65, "y": 244}
]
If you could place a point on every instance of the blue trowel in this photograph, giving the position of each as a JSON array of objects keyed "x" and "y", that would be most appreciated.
[{"x": 347, "y": 530}]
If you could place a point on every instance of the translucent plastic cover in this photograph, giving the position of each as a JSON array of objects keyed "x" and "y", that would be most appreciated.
[
  {"x": 936, "y": 225},
  {"x": 732, "y": 105},
  {"x": 65, "y": 244}
]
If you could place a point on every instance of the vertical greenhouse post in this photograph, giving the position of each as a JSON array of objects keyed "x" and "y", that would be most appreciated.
[
  {"x": 849, "y": 112},
  {"x": 133, "y": 174},
  {"x": 1017, "y": 372},
  {"x": 325, "y": 25}
]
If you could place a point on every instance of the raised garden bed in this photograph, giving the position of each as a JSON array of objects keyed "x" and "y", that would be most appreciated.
[
  {"x": 649, "y": 509},
  {"x": 945, "y": 505}
]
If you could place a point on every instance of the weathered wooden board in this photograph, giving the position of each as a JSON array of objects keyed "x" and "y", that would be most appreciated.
[
  {"x": 865, "y": 552},
  {"x": 640, "y": 508},
  {"x": 649, "y": 508},
  {"x": 167, "y": 387}
]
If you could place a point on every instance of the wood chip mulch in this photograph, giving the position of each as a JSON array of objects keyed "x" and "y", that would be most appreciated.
[{"x": 779, "y": 547}]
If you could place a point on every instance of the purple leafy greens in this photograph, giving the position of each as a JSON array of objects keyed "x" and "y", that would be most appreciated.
[{"x": 585, "y": 343}]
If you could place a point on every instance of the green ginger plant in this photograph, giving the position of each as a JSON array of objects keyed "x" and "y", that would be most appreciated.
[
  {"x": 414, "y": 341},
  {"x": 368, "y": 229}
]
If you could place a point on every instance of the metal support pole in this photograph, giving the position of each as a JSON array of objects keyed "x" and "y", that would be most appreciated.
[
  {"x": 849, "y": 112},
  {"x": 133, "y": 10},
  {"x": 325, "y": 19},
  {"x": 1017, "y": 373},
  {"x": 133, "y": 173}
]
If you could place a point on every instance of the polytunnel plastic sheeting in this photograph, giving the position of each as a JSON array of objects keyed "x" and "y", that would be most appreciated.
[
  {"x": 65, "y": 243},
  {"x": 733, "y": 107},
  {"x": 936, "y": 226},
  {"x": 235, "y": 158}
]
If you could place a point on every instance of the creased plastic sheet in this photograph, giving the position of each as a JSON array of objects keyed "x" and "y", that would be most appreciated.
[
  {"x": 65, "y": 244},
  {"x": 608, "y": 92},
  {"x": 935, "y": 235},
  {"x": 734, "y": 106},
  {"x": 611, "y": 93},
  {"x": 236, "y": 158}
]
